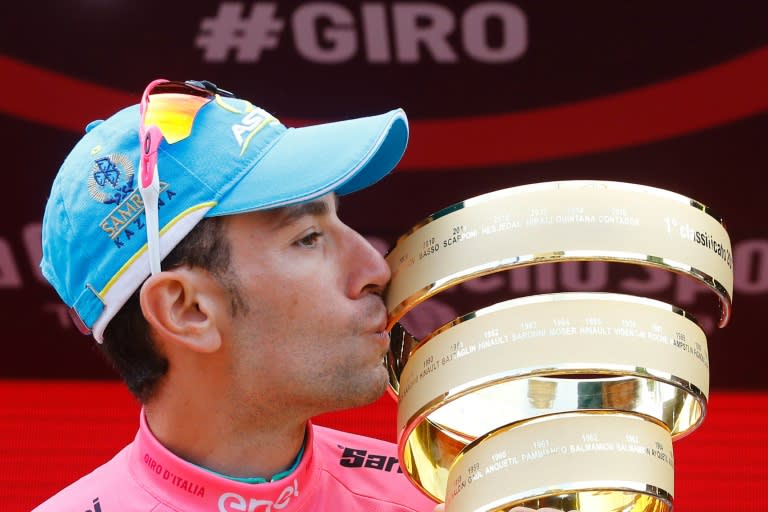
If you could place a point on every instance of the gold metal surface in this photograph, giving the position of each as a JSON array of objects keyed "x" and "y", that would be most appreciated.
[
  {"x": 586, "y": 461},
  {"x": 562, "y": 400},
  {"x": 560, "y": 221},
  {"x": 553, "y": 353},
  {"x": 427, "y": 450},
  {"x": 653, "y": 500}
]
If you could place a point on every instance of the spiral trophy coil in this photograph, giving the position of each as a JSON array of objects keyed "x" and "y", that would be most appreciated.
[{"x": 564, "y": 400}]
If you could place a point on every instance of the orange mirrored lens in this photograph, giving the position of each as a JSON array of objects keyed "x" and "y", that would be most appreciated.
[{"x": 174, "y": 114}]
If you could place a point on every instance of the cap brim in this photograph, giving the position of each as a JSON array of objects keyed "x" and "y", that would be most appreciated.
[{"x": 309, "y": 162}]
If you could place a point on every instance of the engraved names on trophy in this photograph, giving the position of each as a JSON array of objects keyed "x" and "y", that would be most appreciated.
[
  {"x": 569, "y": 400},
  {"x": 499, "y": 355},
  {"x": 546, "y": 452},
  {"x": 604, "y": 221}
]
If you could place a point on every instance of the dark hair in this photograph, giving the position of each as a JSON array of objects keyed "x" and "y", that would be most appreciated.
[{"x": 128, "y": 342}]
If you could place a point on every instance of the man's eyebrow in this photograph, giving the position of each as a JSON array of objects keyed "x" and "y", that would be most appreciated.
[{"x": 290, "y": 214}]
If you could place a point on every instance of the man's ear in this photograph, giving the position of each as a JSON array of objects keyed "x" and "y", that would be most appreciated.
[{"x": 186, "y": 306}]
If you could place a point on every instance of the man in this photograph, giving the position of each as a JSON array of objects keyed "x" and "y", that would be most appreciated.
[{"x": 198, "y": 240}]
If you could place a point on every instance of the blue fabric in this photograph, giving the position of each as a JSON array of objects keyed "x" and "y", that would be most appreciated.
[{"x": 237, "y": 159}]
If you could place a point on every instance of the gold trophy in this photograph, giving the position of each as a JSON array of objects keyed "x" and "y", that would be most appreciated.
[{"x": 564, "y": 400}]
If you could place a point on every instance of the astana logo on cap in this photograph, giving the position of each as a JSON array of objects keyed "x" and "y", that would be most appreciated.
[{"x": 111, "y": 181}]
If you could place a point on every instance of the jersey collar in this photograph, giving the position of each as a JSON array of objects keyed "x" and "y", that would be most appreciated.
[{"x": 185, "y": 486}]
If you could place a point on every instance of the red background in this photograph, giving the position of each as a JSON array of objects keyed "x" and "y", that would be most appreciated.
[{"x": 51, "y": 433}]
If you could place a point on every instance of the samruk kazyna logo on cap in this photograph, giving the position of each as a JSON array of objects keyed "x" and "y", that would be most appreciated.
[{"x": 111, "y": 181}]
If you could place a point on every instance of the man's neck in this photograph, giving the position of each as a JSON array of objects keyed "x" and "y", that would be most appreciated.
[{"x": 205, "y": 433}]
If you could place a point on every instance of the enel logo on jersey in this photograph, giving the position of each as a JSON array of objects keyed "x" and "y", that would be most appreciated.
[{"x": 231, "y": 501}]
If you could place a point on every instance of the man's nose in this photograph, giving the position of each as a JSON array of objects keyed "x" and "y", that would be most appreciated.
[{"x": 371, "y": 272}]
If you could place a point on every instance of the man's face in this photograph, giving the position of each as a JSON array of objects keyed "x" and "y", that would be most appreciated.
[{"x": 311, "y": 335}]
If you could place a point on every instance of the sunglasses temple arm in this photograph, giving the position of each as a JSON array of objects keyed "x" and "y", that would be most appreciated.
[{"x": 150, "y": 195}]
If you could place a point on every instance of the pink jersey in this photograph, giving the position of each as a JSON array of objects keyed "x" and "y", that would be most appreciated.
[{"x": 338, "y": 472}]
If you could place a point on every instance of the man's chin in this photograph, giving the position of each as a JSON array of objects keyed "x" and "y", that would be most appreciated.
[{"x": 369, "y": 392}]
